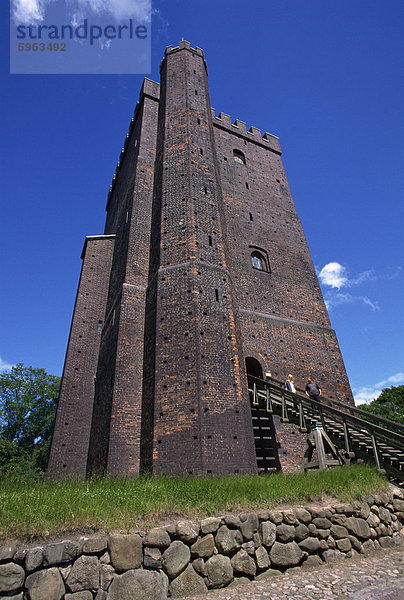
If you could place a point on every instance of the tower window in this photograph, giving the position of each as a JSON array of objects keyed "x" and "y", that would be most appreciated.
[
  {"x": 239, "y": 157},
  {"x": 259, "y": 261}
]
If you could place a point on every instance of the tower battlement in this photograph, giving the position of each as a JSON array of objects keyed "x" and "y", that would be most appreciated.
[
  {"x": 150, "y": 89},
  {"x": 183, "y": 45},
  {"x": 239, "y": 128}
]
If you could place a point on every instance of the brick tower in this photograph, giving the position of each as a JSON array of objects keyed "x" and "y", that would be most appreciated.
[{"x": 202, "y": 275}]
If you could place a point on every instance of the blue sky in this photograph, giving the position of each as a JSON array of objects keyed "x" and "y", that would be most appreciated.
[{"x": 325, "y": 76}]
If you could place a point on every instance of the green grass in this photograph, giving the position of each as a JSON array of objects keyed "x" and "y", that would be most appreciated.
[{"x": 34, "y": 507}]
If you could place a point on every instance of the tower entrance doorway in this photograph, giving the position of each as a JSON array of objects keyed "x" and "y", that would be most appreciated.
[
  {"x": 253, "y": 367},
  {"x": 263, "y": 425}
]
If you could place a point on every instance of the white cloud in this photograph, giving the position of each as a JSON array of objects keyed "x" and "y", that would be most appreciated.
[
  {"x": 332, "y": 300},
  {"x": 333, "y": 274},
  {"x": 28, "y": 11},
  {"x": 373, "y": 305},
  {"x": 120, "y": 9},
  {"x": 365, "y": 394},
  {"x": 33, "y": 11},
  {"x": 394, "y": 379},
  {"x": 362, "y": 277},
  {"x": 4, "y": 365},
  {"x": 392, "y": 273},
  {"x": 336, "y": 299}
]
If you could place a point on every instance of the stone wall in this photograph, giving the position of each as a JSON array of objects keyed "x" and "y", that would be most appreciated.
[{"x": 188, "y": 558}]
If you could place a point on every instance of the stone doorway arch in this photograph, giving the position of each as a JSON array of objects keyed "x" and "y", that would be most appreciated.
[{"x": 253, "y": 367}]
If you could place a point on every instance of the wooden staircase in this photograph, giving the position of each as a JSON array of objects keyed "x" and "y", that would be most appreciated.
[{"x": 377, "y": 440}]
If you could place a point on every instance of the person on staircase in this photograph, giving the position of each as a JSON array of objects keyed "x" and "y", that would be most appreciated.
[
  {"x": 313, "y": 391},
  {"x": 290, "y": 384}
]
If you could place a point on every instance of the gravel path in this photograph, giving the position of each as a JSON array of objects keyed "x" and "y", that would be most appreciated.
[{"x": 377, "y": 576}]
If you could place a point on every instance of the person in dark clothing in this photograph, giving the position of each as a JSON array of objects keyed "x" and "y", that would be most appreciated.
[{"x": 312, "y": 390}]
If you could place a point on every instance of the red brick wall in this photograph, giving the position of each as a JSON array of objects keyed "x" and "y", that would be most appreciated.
[
  {"x": 68, "y": 455},
  {"x": 184, "y": 305},
  {"x": 283, "y": 317},
  {"x": 282, "y": 312},
  {"x": 197, "y": 385},
  {"x": 116, "y": 423}
]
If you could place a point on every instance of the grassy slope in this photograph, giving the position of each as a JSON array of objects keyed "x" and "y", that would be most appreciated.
[{"x": 37, "y": 507}]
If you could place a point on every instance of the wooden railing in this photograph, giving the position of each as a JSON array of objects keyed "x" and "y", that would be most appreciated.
[{"x": 380, "y": 441}]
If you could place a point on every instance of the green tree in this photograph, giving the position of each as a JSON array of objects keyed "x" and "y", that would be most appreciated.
[
  {"x": 28, "y": 399},
  {"x": 390, "y": 404}
]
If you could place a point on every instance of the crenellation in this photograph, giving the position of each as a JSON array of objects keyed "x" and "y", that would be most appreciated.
[
  {"x": 150, "y": 89},
  {"x": 239, "y": 128},
  {"x": 255, "y": 131},
  {"x": 184, "y": 45},
  {"x": 269, "y": 136},
  {"x": 226, "y": 119}
]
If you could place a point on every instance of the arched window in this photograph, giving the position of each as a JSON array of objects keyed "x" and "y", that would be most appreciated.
[
  {"x": 259, "y": 260},
  {"x": 239, "y": 157}
]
